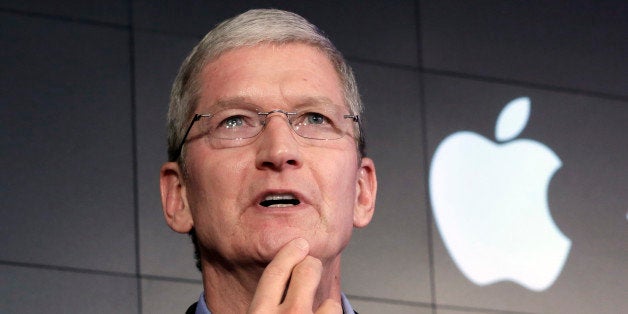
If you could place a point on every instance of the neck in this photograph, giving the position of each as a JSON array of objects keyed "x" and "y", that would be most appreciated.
[{"x": 231, "y": 289}]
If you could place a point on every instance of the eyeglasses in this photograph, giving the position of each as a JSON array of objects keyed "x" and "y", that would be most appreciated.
[{"x": 231, "y": 127}]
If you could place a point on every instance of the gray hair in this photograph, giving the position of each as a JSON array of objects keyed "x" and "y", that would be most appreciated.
[{"x": 245, "y": 30}]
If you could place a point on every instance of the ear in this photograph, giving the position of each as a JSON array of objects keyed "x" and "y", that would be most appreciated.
[
  {"x": 173, "y": 198},
  {"x": 366, "y": 190}
]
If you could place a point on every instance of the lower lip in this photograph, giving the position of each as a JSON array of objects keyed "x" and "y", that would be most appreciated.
[
  {"x": 281, "y": 208},
  {"x": 281, "y": 205}
]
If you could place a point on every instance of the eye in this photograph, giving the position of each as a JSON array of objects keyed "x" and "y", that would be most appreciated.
[
  {"x": 313, "y": 118},
  {"x": 232, "y": 122}
]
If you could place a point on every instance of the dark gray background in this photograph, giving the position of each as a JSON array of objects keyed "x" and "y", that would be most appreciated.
[{"x": 84, "y": 89}]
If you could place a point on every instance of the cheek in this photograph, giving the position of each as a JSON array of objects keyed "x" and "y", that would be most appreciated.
[
  {"x": 214, "y": 188},
  {"x": 219, "y": 175},
  {"x": 337, "y": 181}
]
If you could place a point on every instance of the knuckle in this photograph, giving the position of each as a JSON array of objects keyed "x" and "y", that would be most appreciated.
[
  {"x": 330, "y": 306},
  {"x": 275, "y": 271},
  {"x": 294, "y": 309},
  {"x": 309, "y": 266}
]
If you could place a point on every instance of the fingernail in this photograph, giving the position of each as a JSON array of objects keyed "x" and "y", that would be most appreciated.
[{"x": 301, "y": 243}]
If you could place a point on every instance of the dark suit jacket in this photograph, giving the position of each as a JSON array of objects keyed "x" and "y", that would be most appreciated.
[{"x": 191, "y": 309}]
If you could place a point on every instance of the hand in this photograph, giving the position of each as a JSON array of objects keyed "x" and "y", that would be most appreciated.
[{"x": 296, "y": 274}]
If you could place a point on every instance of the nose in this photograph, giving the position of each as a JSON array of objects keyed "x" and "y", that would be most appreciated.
[{"x": 278, "y": 148}]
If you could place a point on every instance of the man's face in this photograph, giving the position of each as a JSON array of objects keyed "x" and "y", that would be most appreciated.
[{"x": 224, "y": 187}]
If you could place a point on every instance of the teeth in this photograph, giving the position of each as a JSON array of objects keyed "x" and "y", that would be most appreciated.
[
  {"x": 280, "y": 200},
  {"x": 277, "y": 197}
]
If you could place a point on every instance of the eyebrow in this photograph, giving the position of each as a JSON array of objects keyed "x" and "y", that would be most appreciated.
[
  {"x": 231, "y": 102},
  {"x": 319, "y": 100},
  {"x": 239, "y": 101}
]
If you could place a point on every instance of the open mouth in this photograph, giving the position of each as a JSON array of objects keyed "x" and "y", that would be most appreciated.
[{"x": 280, "y": 200}]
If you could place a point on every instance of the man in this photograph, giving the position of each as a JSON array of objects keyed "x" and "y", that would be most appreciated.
[{"x": 266, "y": 165}]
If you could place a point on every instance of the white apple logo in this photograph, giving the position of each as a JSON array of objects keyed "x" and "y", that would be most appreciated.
[{"x": 490, "y": 204}]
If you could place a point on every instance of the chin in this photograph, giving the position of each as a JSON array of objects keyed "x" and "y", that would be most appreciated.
[
  {"x": 271, "y": 242},
  {"x": 268, "y": 243}
]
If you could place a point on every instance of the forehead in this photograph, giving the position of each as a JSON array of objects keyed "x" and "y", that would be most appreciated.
[{"x": 275, "y": 75}]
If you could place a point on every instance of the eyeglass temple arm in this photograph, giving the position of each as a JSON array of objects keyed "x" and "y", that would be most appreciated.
[
  {"x": 354, "y": 117},
  {"x": 196, "y": 118}
]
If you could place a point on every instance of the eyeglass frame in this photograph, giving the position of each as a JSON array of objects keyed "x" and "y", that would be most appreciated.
[{"x": 197, "y": 116}]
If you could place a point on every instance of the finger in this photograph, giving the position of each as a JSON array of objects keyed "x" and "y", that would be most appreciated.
[
  {"x": 303, "y": 284},
  {"x": 329, "y": 307},
  {"x": 272, "y": 284}
]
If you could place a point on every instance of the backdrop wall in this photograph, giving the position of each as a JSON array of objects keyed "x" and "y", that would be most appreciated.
[{"x": 84, "y": 91}]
